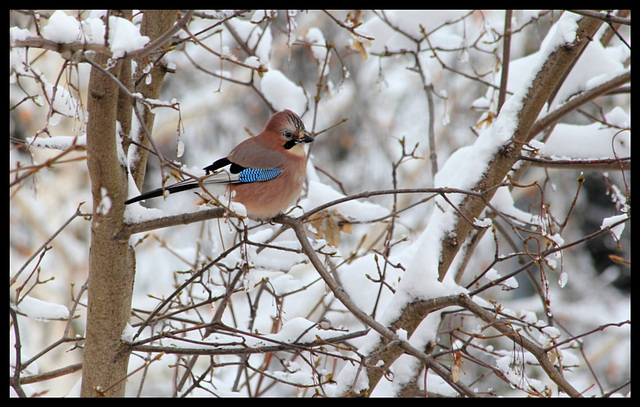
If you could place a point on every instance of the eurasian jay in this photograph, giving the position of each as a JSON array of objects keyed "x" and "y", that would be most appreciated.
[{"x": 264, "y": 173}]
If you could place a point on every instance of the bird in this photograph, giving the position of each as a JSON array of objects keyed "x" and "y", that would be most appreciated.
[{"x": 264, "y": 173}]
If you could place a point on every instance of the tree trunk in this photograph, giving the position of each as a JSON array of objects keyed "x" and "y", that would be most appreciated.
[
  {"x": 154, "y": 24},
  {"x": 112, "y": 259}
]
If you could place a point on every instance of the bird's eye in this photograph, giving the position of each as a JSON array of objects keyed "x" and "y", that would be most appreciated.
[{"x": 287, "y": 133}]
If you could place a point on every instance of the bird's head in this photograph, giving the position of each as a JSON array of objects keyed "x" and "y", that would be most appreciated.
[{"x": 290, "y": 128}]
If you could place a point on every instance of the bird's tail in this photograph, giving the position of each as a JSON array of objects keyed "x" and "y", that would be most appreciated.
[
  {"x": 161, "y": 191},
  {"x": 218, "y": 178}
]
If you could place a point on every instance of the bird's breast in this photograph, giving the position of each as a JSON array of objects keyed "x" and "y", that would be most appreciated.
[{"x": 264, "y": 200}]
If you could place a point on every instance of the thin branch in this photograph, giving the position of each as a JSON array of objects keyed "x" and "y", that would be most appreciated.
[
  {"x": 540, "y": 354},
  {"x": 52, "y": 374},
  {"x": 224, "y": 349},
  {"x": 199, "y": 216},
  {"x": 30, "y": 170},
  {"x": 185, "y": 284},
  {"x": 388, "y": 335},
  {"x": 155, "y": 44},
  {"x": 533, "y": 100},
  {"x": 168, "y": 221},
  {"x": 572, "y": 104},
  {"x": 606, "y": 17},
  {"x": 604, "y": 164},
  {"x": 77, "y": 213},
  {"x": 350, "y": 27},
  {"x": 70, "y": 51},
  {"x": 506, "y": 58}
]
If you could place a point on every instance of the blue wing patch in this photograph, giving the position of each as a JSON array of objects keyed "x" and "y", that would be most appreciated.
[{"x": 258, "y": 174}]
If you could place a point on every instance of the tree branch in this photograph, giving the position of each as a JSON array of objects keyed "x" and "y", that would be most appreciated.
[
  {"x": 544, "y": 84},
  {"x": 539, "y": 353},
  {"x": 168, "y": 221},
  {"x": 572, "y": 104},
  {"x": 604, "y": 164},
  {"x": 69, "y": 50},
  {"x": 387, "y": 336}
]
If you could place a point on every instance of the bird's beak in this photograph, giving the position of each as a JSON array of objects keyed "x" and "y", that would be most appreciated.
[{"x": 306, "y": 138}]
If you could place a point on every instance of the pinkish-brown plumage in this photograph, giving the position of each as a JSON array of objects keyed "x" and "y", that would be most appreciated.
[
  {"x": 264, "y": 173},
  {"x": 264, "y": 200}
]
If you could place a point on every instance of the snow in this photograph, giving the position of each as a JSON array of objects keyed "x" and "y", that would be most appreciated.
[
  {"x": 357, "y": 210},
  {"x": 283, "y": 93},
  {"x": 276, "y": 259},
  {"x": 461, "y": 170},
  {"x": 509, "y": 284},
  {"x": 104, "y": 206},
  {"x": 507, "y": 364},
  {"x": 128, "y": 333},
  {"x": 315, "y": 37},
  {"x": 124, "y": 36},
  {"x": 135, "y": 213},
  {"x": 41, "y": 310},
  {"x": 62, "y": 28},
  {"x": 280, "y": 282},
  {"x": 18, "y": 34},
  {"x": 591, "y": 141},
  {"x": 551, "y": 331},
  {"x": 612, "y": 220},
  {"x": 298, "y": 330},
  {"x": 503, "y": 201},
  {"x": 255, "y": 37},
  {"x": 57, "y": 142},
  {"x": 63, "y": 102}
]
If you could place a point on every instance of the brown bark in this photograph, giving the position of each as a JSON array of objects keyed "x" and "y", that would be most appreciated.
[
  {"x": 154, "y": 24},
  {"x": 543, "y": 87},
  {"x": 111, "y": 258},
  {"x": 547, "y": 80}
]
